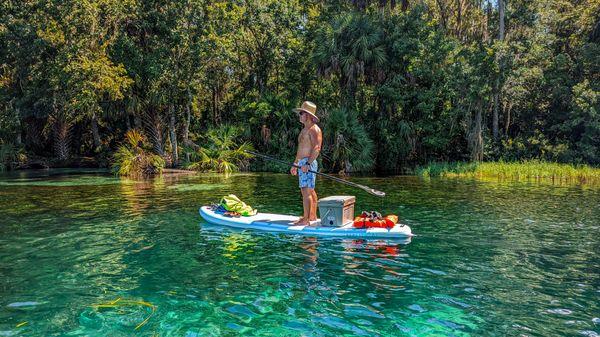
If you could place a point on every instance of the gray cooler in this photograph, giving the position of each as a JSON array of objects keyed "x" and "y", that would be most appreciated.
[{"x": 337, "y": 210}]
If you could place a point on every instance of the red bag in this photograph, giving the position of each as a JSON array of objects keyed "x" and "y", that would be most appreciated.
[{"x": 366, "y": 222}]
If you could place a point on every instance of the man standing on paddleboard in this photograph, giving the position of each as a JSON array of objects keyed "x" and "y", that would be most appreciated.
[{"x": 309, "y": 147}]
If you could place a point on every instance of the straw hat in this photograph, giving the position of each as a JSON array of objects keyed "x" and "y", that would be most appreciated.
[{"x": 308, "y": 107}]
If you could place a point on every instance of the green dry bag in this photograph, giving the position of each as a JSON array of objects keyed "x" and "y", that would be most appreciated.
[{"x": 233, "y": 204}]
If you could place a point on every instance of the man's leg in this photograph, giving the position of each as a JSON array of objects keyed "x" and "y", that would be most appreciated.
[
  {"x": 310, "y": 204},
  {"x": 303, "y": 217},
  {"x": 313, "y": 206},
  {"x": 306, "y": 204}
]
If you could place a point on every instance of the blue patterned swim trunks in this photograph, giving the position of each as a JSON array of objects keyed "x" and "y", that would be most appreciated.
[{"x": 307, "y": 179}]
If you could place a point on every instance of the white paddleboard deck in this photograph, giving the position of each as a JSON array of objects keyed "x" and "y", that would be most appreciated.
[{"x": 279, "y": 223}]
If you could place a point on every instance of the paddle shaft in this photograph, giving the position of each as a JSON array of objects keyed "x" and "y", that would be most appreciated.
[{"x": 339, "y": 180}]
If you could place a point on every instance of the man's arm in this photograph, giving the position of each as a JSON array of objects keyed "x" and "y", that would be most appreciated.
[
  {"x": 294, "y": 169},
  {"x": 297, "y": 153},
  {"x": 316, "y": 138}
]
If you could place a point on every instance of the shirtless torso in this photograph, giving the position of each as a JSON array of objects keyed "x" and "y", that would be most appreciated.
[{"x": 308, "y": 140}]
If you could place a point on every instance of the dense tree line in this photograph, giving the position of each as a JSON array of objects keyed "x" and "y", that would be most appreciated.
[{"x": 397, "y": 82}]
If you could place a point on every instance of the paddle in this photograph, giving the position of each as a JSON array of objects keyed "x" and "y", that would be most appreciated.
[{"x": 362, "y": 187}]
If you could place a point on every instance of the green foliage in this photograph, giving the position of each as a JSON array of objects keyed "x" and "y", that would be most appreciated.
[
  {"x": 441, "y": 169},
  {"x": 271, "y": 123},
  {"x": 221, "y": 152},
  {"x": 352, "y": 47},
  {"x": 8, "y": 155},
  {"x": 346, "y": 144},
  {"x": 585, "y": 120},
  {"x": 402, "y": 84},
  {"x": 133, "y": 159},
  {"x": 9, "y": 125}
]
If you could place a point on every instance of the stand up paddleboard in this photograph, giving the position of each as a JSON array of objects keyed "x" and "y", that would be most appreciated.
[{"x": 278, "y": 223}]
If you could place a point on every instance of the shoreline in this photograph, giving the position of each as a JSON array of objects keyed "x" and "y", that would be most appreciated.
[{"x": 533, "y": 170}]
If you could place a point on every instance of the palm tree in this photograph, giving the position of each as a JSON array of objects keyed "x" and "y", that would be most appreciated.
[
  {"x": 221, "y": 153},
  {"x": 346, "y": 142},
  {"x": 133, "y": 159},
  {"x": 353, "y": 48}
]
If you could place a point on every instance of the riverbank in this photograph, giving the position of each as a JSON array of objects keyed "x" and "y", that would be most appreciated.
[
  {"x": 515, "y": 170},
  {"x": 538, "y": 170}
]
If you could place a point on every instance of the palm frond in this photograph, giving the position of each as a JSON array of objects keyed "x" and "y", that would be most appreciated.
[
  {"x": 131, "y": 159},
  {"x": 221, "y": 153}
]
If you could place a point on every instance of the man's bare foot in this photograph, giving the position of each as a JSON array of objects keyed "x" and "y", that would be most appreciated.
[
  {"x": 303, "y": 223},
  {"x": 300, "y": 219}
]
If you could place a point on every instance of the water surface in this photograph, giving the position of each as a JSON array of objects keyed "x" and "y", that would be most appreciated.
[{"x": 490, "y": 259}]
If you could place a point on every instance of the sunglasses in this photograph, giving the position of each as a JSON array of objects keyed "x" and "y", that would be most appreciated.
[{"x": 300, "y": 113}]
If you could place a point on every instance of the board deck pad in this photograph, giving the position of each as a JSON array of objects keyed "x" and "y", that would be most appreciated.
[{"x": 279, "y": 223}]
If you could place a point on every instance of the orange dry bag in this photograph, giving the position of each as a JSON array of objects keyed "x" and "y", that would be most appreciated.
[{"x": 366, "y": 221}]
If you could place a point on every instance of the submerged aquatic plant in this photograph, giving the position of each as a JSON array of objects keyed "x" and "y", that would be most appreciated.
[
  {"x": 119, "y": 303},
  {"x": 221, "y": 152},
  {"x": 134, "y": 159}
]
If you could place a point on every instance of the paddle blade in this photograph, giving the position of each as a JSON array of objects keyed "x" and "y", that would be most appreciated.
[
  {"x": 379, "y": 193},
  {"x": 372, "y": 191}
]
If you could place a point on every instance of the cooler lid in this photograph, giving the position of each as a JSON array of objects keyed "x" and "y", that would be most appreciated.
[{"x": 337, "y": 200}]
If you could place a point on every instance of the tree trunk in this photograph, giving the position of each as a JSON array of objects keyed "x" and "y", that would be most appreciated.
[
  {"x": 173, "y": 136},
  {"x": 507, "y": 122},
  {"x": 476, "y": 137},
  {"x": 128, "y": 122},
  {"x": 497, "y": 84},
  {"x": 154, "y": 130},
  {"x": 214, "y": 105},
  {"x": 61, "y": 139},
  {"x": 486, "y": 23},
  {"x": 95, "y": 132},
  {"x": 137, "y": 121},
  {"x": 60, "y": 128},
  {"x": 495, "y": 110},
  {"x": 458, "y": 18},
  {"x": 501, "y": 17},
  {"x": 265, "y": 133},
  {"x": 443, "y": 13},
  {"x": 404, "y": 6},
  {"x": 188, "y": 119},
  {"x": 186, "y": 128},
  {"x": 19, "y": 139}
]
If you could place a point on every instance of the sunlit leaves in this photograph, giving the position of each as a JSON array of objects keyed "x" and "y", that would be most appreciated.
[{"x": 133, "y": 159}]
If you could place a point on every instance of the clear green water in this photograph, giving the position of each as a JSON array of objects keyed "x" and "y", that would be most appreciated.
[{"x": 490, "y": 259}]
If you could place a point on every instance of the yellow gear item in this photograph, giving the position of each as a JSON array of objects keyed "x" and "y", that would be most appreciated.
[{"x": 233, "y": 204}]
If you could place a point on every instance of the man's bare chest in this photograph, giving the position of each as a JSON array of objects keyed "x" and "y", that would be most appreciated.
[{"x": 304, "y": 136}]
